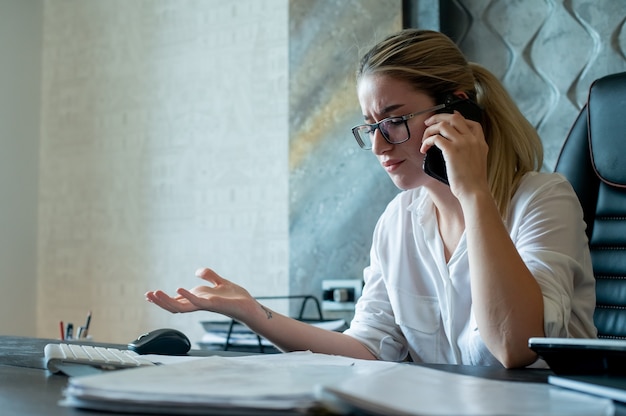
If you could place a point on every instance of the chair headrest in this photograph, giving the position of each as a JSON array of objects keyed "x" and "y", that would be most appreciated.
[{"x": 607, "y": 128}]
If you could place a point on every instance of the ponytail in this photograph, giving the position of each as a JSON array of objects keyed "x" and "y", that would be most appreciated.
[{"x": 514, "y": 145}]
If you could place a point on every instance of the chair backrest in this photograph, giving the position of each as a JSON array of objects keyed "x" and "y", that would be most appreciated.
[{"x": 593, "y": 159}]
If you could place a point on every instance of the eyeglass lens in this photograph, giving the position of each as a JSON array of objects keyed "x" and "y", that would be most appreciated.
[{"x": 394, "y": 130}]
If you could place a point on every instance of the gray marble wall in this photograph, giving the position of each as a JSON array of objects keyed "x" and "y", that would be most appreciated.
[{"x": 336, "y": 190}]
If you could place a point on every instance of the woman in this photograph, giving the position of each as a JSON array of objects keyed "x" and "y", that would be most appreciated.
[{"x": 463, "y": 269}]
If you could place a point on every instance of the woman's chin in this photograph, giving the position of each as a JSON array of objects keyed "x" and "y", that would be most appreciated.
[{"x": 404, "y": 184}]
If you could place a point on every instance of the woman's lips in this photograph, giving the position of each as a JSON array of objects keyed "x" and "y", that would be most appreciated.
[{"x": 391, "y": 165}]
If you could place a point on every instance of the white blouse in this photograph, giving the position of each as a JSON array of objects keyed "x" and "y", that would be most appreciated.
[{"x": 415, "y": 303}]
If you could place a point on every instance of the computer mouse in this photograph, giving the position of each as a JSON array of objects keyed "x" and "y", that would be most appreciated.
[{"x": 165, "y": 341}]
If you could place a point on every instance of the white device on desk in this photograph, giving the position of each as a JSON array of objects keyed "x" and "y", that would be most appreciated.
[
  {"x": 100, "y": 357},
  {"x": 164, "y": 341}
]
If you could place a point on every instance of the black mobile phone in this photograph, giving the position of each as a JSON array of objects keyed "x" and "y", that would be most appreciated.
[{"x": 434, "y": 163}]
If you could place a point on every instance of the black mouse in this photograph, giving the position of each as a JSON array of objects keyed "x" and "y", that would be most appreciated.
[{"x": 165, "y": 341}]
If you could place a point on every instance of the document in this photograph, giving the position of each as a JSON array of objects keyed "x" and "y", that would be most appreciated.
[
  {"x": 414, "y": 390},
  {"x": 303, "y": 381},
  {"x": 271, "y": 383}
]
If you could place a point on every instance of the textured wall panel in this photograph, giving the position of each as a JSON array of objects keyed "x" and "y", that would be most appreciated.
[
  {"x": 547, "y": 52},
  {"x": 163, "y": 149},
  {"x": 20, "y": 47}
]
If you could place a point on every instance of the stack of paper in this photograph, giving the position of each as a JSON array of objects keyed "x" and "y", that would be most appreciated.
[
  {"x": 414, "y": 390},
  {"x": 216, "y": 385},
  {"x": 298, "y": 382}
]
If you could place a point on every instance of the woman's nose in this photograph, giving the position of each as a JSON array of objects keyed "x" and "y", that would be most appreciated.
[{"x": 379, "y": 144}]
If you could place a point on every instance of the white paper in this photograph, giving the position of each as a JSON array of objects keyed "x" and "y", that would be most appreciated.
[
  {"x": 171, "y": 359},
  {"x": 302, "y": 380},
  {"x": 277, "y": 381},
  {"x": 414, "y": 390}
]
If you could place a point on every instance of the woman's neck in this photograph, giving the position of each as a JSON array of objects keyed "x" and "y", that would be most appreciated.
[{"x": 450, "y": 220}]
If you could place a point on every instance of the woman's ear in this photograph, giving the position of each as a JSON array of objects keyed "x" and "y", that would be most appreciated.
[{"x": 461, "y": 94}]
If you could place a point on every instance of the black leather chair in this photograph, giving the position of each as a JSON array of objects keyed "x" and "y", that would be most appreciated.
[{"x": 593, "y": 159}]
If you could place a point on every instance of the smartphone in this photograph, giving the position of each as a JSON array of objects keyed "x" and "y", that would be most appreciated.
[{"x": 434, "y": 163}]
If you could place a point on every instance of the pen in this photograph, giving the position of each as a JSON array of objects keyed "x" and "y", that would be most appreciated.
[
  {"x": 62, "y": 327},
  {"x": 86, "y": 327}
]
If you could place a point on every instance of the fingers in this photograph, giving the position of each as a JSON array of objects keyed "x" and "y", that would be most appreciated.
[
  {"x": 161, "y": 299},
  {"x": 444, "y": 128},
  {"x": 210, "y": 276},
  {"x": 174, "y": 305},
  {"x": 197, "y": 301},
  {"x": 434, "y": 138},
  {"x": 455, "y": 119},
  {"x": 188, "y": 301}
]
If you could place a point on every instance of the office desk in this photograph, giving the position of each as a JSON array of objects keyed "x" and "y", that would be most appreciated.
[{"x": 27, "y": 388}]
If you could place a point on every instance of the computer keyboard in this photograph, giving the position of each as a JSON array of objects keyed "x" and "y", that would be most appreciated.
[{"x": 100, "y": 357}]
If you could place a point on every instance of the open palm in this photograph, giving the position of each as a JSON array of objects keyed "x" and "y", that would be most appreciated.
[{"x": 222, "y": 297}]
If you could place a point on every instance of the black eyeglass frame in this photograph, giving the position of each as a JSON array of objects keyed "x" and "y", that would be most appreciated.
[{"x": 374, "y": 126}]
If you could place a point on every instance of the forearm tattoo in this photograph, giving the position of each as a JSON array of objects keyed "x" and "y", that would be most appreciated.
[{"x": 268, "y": 313}]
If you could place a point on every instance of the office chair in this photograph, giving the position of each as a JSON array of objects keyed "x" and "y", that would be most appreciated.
[{"x": 593, "y": 159}]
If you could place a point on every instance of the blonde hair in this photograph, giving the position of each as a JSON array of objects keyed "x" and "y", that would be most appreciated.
[{"x": 434, "y": 65}]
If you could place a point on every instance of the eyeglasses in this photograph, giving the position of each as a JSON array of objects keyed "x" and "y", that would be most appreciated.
[{"x": 395, "y": 130}]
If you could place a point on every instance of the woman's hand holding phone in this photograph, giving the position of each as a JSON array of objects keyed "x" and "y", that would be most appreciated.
[
  {"x": 434, "y": 162},
  {"x": 459, "y": 142}
]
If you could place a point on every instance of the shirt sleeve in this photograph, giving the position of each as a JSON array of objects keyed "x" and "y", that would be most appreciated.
[
  {"x": 374, "y": 323},
  {"x": 549, "y": 233}
]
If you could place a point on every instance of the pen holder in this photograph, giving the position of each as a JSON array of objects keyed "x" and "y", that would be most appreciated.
[{"x": 88, "y": 338}]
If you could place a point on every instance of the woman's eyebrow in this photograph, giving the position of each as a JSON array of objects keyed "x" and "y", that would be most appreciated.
[{"x": 385, "y": 112}]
